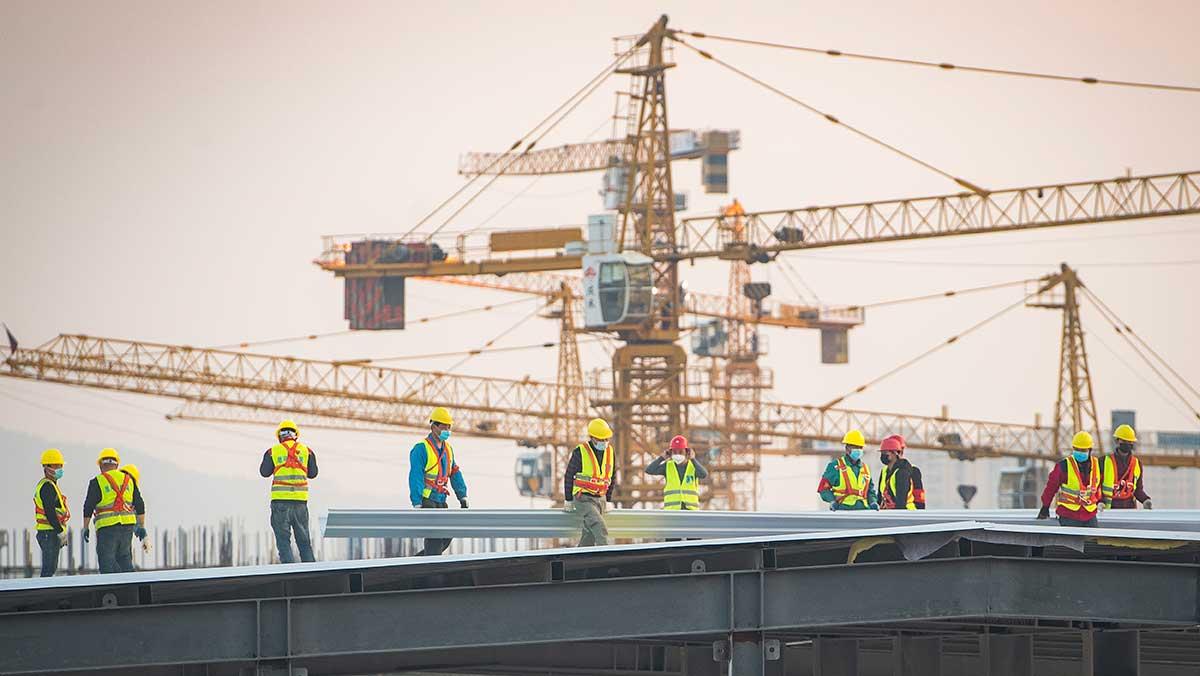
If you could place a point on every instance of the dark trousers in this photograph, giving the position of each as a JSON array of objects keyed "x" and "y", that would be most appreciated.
[
  {"x": 114, "y": 548},
  {"x": 48, "y": 541},
  {"x": 434, "y": 546},
  {"x": 1090, "y": 523},
  {"x": 288, "y": 517}
]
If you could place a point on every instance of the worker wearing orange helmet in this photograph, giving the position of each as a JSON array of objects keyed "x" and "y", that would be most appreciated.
[
  {"x": 433, "y": 473},
  {"x": 50, "y": 511},
  {"x": 682, "y": 470},
  {"x": 846, "y": 482},
  {"x": 899, "y": 477},
  {"x": 1076, "y": 480},
  {"x": 589, "y": 480},
  {"x": 290, "y": 465},
  {"x": 1123, "y": 487}
]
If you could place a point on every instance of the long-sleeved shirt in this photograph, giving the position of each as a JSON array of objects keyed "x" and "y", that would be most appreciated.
[
  {"x": 658, "y": 467},
  {"x": 267, "y": 466},
  {"x": 908, "y": 478},
  {"x": 1058, "y": 477},
  {"x": 417, "y": 458},
  {"x": 50, "y": 505},
  {"x": 575, "y": 466},
  {"x": 93, "y": 498},
  {"x": 830, "y": 478},
  {"x": 1139, "y": 492}
]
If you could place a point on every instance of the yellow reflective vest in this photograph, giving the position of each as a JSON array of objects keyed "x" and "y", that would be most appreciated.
[
  {"x": 290, "y": 479},
  {"x": 1074, "y": 496},
  {"x": 594, "y": 477},
  {"x": 1120, "y": 487},
  {"x": 116, "y": 499},
  {"x": 681, "y": 493},
  {"x": 851, "y": 490},
  {"x": 437, "y": 473},
  {"x": 39, "y": 510}
]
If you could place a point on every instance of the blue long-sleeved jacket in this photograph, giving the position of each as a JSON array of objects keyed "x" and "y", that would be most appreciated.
[{"x": 416, "y": 477}]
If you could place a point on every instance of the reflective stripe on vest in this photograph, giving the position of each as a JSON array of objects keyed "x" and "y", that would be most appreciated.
[
  {"x": 290, "y": 478},
  {"x": 679, "y": 494},
  {"x": 39, "y": 509},
  {"x": 851, "y": 490},
  {"x": 1121, "y": 488},
  {"x": 1073, "y": 495},
  {"x": 887, "y": 491},
  {"x": 437, "y": 472},
  {"x": 116, "y": 500},
  {"x": 589, "y": 480}
]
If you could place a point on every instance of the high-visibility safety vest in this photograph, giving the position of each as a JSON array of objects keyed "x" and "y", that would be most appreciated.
[
  {"x": 1073, "y": 495},
  {"x": 851, "y": 490},
  {"x": 290, "y": 480},
  {"x": 116, "y": 499},
  {"x": 596, "y": 476},
  {"x": 681, "y": 493},
  {"x": 39, "y": 510},
  {"x": 437, "y": 473},
  {"x": 1121, "y": 487},
  {"x": 887, "y": 491}
]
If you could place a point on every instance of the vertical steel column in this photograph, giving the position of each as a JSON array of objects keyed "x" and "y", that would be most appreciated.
[
  {"x": 835, "y": 657},
  {"x": 753, "y": 655},
  {"x": 917, "y": 656},
  {"x": 1007, "y": 654},
  {"x": 1111, "y": 653}
]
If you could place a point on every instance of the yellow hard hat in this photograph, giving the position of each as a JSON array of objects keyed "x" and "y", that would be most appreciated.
[
  {"x": 1082, "y": 441},
  {"x": 109, "y": 454},
  {"x": 285, "y": 425},
  {"x": 854, "y": 438},
  {"x": 599, "y": 429},
  {"x": 441, "y": 415},
  {"x": 1125, "y": 433},
  {"x": 132, "y": 471},
  {"x": 52, "y": 456}
]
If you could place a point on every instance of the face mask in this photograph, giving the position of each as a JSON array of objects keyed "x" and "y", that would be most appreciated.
[
  {"x": 886, "y": 458},
  {"x": 1124, "y": 449},
  {"x": 600, "y": 445},
  {"x": 678, "y": 459},
  {"x": 444, "y": 435},
  {"x": 856, "y": 454},
  {"x": 1081, "y": 456},
  {"x": 58, "y": 473}
]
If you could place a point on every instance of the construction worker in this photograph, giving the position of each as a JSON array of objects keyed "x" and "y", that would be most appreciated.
[
  {"x": 50, "y": 511},
  {"x": 588, "y": 482},
  {"x": 431, "y": 469},
  {"x": 846, "y": 483},
  {"x": 1076, "y": 481},
  {"x": 899, "y": 477},
  {"x": 1122, "y": 482},
  {"x": 113, "y": 497},
  {"x": 290, "y": 464},
  {"x": 679, "y": 465}
]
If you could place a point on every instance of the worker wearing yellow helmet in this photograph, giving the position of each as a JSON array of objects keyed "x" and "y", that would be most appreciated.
[
  {"x": 1076, "y": 480},
  {"x": 290, "y": 465},
  {"x": 115, "y": 501},
  {"x": 846, "y": 482},
  {"x": 433, "y": 473},
  {"x": 50, "y": 511},
  {"x": 589, "y": 480},
  {"x": 1123, "y": 487}
]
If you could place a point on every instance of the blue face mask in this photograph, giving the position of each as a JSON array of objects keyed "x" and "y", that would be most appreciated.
[
  {"x": 444, "y": 435},
  {"x": 856, "y": 454},
  {"x": 1080, "y": 456},
  {"x": 58, "y": 473},
  {"x": 599, "y": 445}
]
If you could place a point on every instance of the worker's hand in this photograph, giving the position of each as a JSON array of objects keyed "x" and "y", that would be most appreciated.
[
  {"x": 62, "y": 538},
  {"x": 140, "y": 532},
  {"x": 462, "y": 503},
  {"x": 1147, "y": 505},
  {"x": 875, "y": 506},
  {"x": 1044, "y": 512},
  {"x": 569, "y": 508},
  {"x": 87, "y": 535}
]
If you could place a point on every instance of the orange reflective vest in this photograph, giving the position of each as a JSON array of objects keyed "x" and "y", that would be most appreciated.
[
  {"x": 116, "y": 502},
  {"x": 850, "y": 489},
  {"x": 1121, "y": 487},
  {"x": 1075, "y": 496},
  {"x": 437, "y": 472},
  {"x": 290, "y": 479},
  {"x": 595, "y": 477},
  {"x": 39, "y": 510}
]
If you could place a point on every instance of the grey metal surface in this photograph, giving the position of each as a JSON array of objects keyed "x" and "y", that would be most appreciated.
[{"x": 651, "y": 524}]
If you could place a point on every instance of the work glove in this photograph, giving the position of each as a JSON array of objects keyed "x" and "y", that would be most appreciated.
[
  {"x": 463, "y": 503},
  {"x": 87, "y": 535},
  {"x": 875, "y": 507},
  {"x": 1147, "y": 505},
  {"x": 1044, "y": 513},
  {"x": 62, "y": 538},
  {"x": 569, "y": 508},
  {"x": 140, "y": 532}
]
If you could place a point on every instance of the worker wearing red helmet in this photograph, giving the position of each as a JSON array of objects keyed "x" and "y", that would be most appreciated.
[
  {"x": 900, "y": 484},
  {"x": 681, "y": 469}
]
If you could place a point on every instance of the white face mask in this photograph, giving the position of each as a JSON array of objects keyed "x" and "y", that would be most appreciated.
[{"x": 678, "y": 459}]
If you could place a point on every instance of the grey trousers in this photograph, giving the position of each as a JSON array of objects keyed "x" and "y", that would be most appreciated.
[
  {"x": 114, "y": 548},
  {"x": 591, "y": 510},
  {"x": 48, "y": 541},
  {"x": 288, "y": 517}
]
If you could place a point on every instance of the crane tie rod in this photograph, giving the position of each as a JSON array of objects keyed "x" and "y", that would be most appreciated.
[
  {"x": 831, "y": 118},
  {"x": 949, "y": 341},
  {"x": 944, "y": 294},
  {"x": 941, "y": 65}
]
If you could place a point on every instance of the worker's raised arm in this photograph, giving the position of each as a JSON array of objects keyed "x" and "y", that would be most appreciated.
[
  {"x": 416, "y": 474},
  {"x": 658, "y": 466},
  {"x": 574, "y": 466},
  {"x": 312, "y": 464},
  {"x": 701, "y": 472},
  {"x": 267, "y": 466}
]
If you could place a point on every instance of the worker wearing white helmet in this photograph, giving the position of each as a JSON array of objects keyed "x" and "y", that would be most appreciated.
[
  {"x": 433, "y": 473},
  {"x": 291, "y": 465},
  {"x": 588, "y": 482}
]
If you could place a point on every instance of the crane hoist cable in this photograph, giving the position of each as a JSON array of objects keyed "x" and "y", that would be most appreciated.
[
  {"x": 942, "y": 65},
  {"x": 816, "y": 111},
  {"x": 949, "y": 341},
  {"x": 1185, "y": 411},
  {"x": 944, "y": 294},
  {"x": 459, "y": 353}
]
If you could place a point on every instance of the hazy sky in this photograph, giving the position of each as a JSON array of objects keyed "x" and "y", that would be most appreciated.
[{"x": 167, "y": 170}]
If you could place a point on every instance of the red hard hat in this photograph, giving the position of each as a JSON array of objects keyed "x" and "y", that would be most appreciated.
[
  {"x": 894, "y": 443},
  {"x": 679, "y": 443}
]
